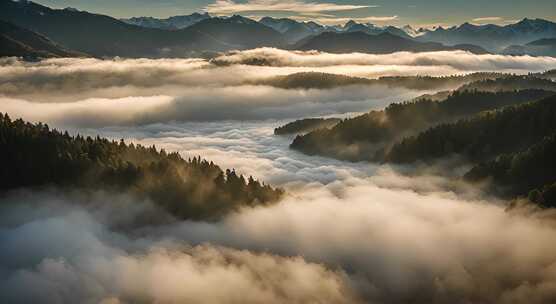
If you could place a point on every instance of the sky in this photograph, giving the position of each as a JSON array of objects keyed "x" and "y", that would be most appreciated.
[{"x": 391, "y": 12}]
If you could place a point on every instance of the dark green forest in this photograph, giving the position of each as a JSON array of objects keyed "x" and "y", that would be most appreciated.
[
  {"x": 511, "y": 83},
  {"x": 33, "y": 155},
  {"x": 483, "y": 136},
  {"x": 367, "y": 136},
  {"x": 316, "y": 80},
  {"x": 313, "y": 80},
  {"x": 306, "y": 125},
  {"x": 530, "y": 172},
  {"x": 436, "y": 82},
  {"x": 514, "y": 148}
]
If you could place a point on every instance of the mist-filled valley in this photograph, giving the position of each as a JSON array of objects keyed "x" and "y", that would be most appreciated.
[{"x": 272, "y": 174}]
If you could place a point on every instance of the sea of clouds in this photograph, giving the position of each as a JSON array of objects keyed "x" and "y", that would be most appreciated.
[{"x": 344, "y": 233}]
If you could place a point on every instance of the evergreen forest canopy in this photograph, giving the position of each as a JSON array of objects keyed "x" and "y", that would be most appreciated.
[
  {"x": 366, "y": 137},
  {"x": 306, "y": 125},
  {"x": 514, "y": 147},
  {"x": 33, "y": 155},
  {"x": 509, "y": 136},
  {"x": 317, "y": 80}
]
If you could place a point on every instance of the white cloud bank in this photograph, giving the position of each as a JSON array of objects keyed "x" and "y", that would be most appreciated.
[
  {"x": 458, "y": 60},
  {"x": 331, "y": 20},
  {"x": 87, "y": 78},
  {"x": 206, "y": 104},
  {"x": 227, "y": 7},
  {"x": 138, "y": 91},
  {"x": 63, "y": 254}
]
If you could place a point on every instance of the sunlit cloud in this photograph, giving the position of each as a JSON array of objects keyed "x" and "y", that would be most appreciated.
[
  {"x": 487, "y": 19},
  {"x": 330, "y": 20},
  {"x": 493, "y": 20},
  {"x": 96, "y": 92},
  {"x": 226, "y": 7}
]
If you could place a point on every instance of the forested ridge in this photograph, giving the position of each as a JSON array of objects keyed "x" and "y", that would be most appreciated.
[
  {"x": 511, "y": 83},
  {"x": 33, "y": 155},
  {"x": 318, "y": 80},
  {"x": 366, "y": 137},
  {"x": 313, "y": 80},
  {"x": 306, "y": 125},
  {"x": 436, "y": 82},
  {"x": 530, "y": 172},
  {"x": 513, "y": 147},
  {"x": 483, "y": 136}
]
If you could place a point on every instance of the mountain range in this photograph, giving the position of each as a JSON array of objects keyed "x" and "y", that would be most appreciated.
[
  {"x": 383, "y": 43},
  {"x": 196, "y": 34},
  {"x": 100, "y": 35},
  {"x": 493, "y": 37},
  {"x": 171, "y": 23},
  {"x": 293, "y": 31}
]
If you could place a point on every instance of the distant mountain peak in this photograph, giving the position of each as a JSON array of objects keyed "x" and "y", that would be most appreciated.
[
  {"x": 170, "y": 23},
  {"x": 350, "y": 23},
  {"x": 411, "y": 31},
  {"x": 495, "y": 38},
  {"x": 240, "y": 19},
  {"x": 468, "y": 26}
]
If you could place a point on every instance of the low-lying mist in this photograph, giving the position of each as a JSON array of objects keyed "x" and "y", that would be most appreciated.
[
  {"x": 54, "y": 79},
  {"x": 345, "y": 233},
  {"x": 207, "y": 104},
  {"x": 55, "y": 252},
  {"x": 138, "y": 91},
  {"x": 456, "y": 60}
]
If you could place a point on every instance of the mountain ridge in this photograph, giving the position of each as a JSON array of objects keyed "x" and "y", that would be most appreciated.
[
  {"x": 376, "y": 44},
  {"x": 493, "y": 37},
  {"x": 24, "y": 43},
  {"x": 170, "y": 23}
]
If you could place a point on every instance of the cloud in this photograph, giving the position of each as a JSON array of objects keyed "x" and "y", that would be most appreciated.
[
  {"x": 249, "y": 147},
  {"x": 64, "y": 254},
  {"x": 207, "y": 104},
  {"x": 388, "y": 241},
  {"x": 487, "y": 19},
  {"x": 67, "y": 80},
  {"x": 331, "y": 20},
  {"x": 92, "y": 92},
  {"x": 226, "y": 7},
  {"x": 457, "y": 60},
  {"x": 77, "y": 79}
]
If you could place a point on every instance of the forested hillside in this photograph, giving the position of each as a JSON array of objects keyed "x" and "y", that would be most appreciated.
[
  {"x": 365, "y": 137},
  {"x": 513, "y": 148},
  {"x": 511, "y": 83},
  {"x": 316, "y": 80},
  {"x": 33, "y": 155},
  {"x": 306, "y": 125},
  {"x": 483, "y": 136},
  {"x": 530, "y": 172}
]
